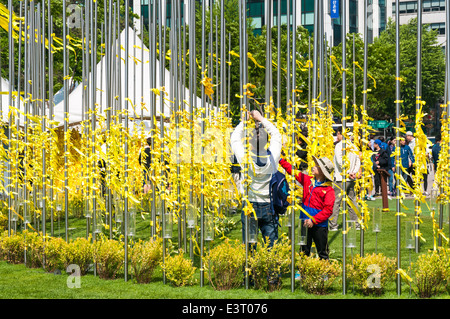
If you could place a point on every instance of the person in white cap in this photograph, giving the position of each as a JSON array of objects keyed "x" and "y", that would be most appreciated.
[
  {"x": 410, "y": 140},
  {"x": 355, "y": 165}
]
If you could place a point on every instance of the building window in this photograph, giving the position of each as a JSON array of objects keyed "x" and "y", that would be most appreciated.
[
  {"x": 308, "y": 14},
  {"x": 428, "y": 6},
  {"x": 307, "y": 18},
  {"x": 440, "y": 27}
]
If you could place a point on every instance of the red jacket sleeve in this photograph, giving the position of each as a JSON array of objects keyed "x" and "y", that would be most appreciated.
[
  {"x": 300, "y": 177},
  {"x": 327, "y": 210}
]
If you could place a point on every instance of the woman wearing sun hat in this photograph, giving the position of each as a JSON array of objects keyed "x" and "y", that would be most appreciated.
[{"x": 318, "y": 202}]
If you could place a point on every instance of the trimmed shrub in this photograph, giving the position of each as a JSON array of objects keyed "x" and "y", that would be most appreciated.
[
  {"x": 35, "y": 248},
  {"x": 13, "y": 248},
  {"x": 145, "y": 256},
  {"x": 109, "y": 256},
  {"x": 224, "y": 265},
  {"x": 55, "y": 250},
  {"x": 267, "y": 264},
  {"x": 372, "y": 272},
  {"x": 317, "y": 275},
  {"x": 3, "y": 236},
  {"x": 429, "y": 274},
  {"x": 179, "y": 270},
  {"x": 79, "y": 252}
]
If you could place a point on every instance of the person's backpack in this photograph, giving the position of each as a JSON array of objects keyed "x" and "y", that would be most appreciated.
[{"x": 279, "y": 192}]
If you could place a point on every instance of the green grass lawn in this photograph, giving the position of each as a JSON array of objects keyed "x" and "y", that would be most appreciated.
[{"x": 19, "y": 282}]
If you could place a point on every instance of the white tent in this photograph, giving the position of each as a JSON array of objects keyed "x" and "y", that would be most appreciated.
[
  {"x": 4, "y": 100},
  {"x": 137, "y": 77}
]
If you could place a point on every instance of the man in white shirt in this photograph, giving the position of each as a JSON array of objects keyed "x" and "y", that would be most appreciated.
[
  {"x": 355, "y": 164},
  {"x": 263, "y": 163}
]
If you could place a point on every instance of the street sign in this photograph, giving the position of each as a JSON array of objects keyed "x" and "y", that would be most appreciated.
[
  {"x": 379, "y": 124},
  {"x": 334, "y": 9}
]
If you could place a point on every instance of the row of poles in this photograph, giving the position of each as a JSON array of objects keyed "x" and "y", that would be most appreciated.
[{"x": 35, "y": 72}]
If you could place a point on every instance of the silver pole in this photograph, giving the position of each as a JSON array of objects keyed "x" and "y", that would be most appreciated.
[
  {"x": 127, "y": 10},
  {"x": 162, "y": 41},
  {"x": 364, "y": 132},
  {"x": 44, "y": 169},
  {"x": 10, "y": 97},
  {"x": 344, "y": 124},
  {"x": 50, "y": 101},
  {"x": 192, "y": 102},
  {"x": 315, "y": 56},
  {"x": 293, "y": 148},
  {"x": 398, "y": 113},
  {"x": 26, "y": 104},
  {"x": 278, "y": 53},
  {"x": 152, "y": 66},
  {"x": 418, "y": 106},
  {"x": 447, "y": 60},
  {"x": 268, "y": 18},
  {"x": 202, "y": 196},
  {"x": 288, "y": 54},
  {"x": 66, "y": 112}
]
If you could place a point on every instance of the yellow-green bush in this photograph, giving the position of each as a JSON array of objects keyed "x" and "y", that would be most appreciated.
[
  {"x": 224, "y": 265},
  {"x": 34, "y": 243},
  {"x": 429, "y": 274},
  {"x": 109, "y": 256},
  {"x": 179, "y": 270},
  {"x": 13, "y": 248},
  {"x": 145, "y": 256},
  {"x": 55, "y": 250},
  {"x": 267, "y": 264},
  {"x": 317, "y": 275},
  {"x": 79, "y": 252},
  {"x": 372, "y": 272}
]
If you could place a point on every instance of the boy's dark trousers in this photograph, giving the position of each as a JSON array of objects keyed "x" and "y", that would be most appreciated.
[{"x": 320, "y": 237}]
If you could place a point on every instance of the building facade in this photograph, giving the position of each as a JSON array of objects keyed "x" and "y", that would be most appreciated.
[{"x": 378, "y": 14}]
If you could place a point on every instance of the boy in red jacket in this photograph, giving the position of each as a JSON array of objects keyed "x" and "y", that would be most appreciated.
[{"x": 318, "y": 202}]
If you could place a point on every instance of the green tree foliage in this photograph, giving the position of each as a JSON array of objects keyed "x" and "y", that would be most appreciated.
[
  {"x": 381, "y": 66},
  {"x": 381, "y": 62}
]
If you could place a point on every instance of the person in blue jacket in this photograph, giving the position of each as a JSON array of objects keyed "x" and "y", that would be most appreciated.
[
  {"x": 435, "y": 151},
  {"x": 392, "y": 181},
  {"x": 407, "y": 159}
]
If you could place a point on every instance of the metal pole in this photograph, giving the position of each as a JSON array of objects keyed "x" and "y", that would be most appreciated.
[
  {"x": 344, "y": 153},
  {"x": 192, "y": 103},
  {"x": 293, "y": 148},
  {"x": 152, "y": 66},
  {"x": 447, "y": 60},
  {"x": 127, "y": 10},
  {"x": 288, "y": 55},
  {"x": 398, "y": 113},
  {"x": 268, "y": 74},
  {"x": 50, "y": 101},
  {"x": 44, "y": 169},
  {"x": 364, "y": 132},
  {"x": 278, "y": 53},
  {"x": 10, "y": 104},
  {"x": 162, "y": 49},
  {"x": 418, "y": 106},
  {"x": 66, "y": 120},
  {"x": 315, "y": 56},
  {"x": 202, "y": 196}
]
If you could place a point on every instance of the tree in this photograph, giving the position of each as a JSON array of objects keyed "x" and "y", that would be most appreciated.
[{"x": 381, "y": 66}]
